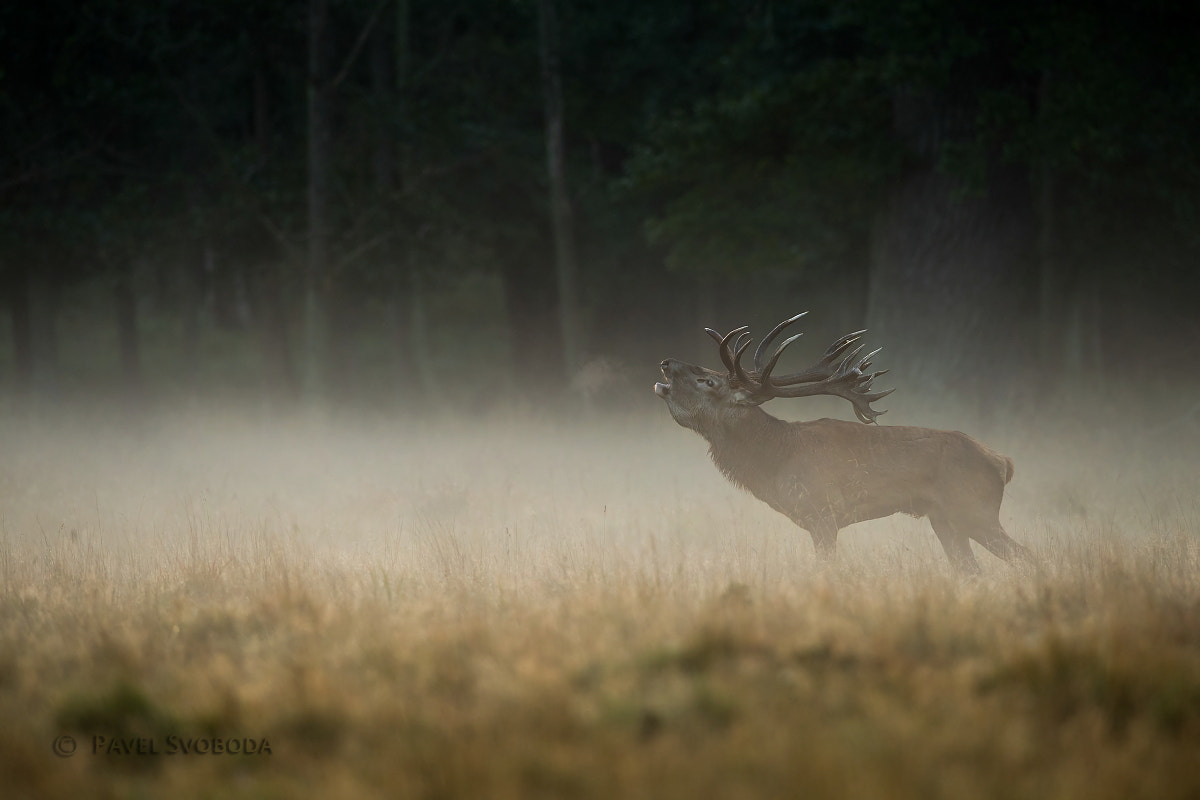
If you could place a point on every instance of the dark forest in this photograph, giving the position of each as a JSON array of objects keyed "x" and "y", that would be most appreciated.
[{"x": 401, "y": 203}]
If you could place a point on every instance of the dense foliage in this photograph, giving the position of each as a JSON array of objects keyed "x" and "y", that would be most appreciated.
[{"x": 162, "y": 150}]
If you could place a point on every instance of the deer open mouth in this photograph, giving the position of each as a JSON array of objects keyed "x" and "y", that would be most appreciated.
[{"x": 664, "y": 386}]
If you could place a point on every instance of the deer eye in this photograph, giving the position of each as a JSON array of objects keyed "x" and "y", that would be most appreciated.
[{"x": 706, "y": 381}]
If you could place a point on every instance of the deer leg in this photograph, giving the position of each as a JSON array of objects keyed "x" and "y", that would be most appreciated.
[
  {"x": 824, "y": 535},
  {"x": 957, "y": 545},
  {"x": 995, "y": 539}
]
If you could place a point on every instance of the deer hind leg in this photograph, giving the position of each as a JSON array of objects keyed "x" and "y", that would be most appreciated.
[
  {"x": 956, "y": 544},
  {"x": 995, "y": 539}
]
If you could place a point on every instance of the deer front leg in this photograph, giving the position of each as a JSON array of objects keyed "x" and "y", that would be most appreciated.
[
  {"x": 824, "y": 535},
  {"x": 956, "y": 544}
]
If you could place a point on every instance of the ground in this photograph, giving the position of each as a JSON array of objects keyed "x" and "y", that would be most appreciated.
[{"x": 520, "y": 608}]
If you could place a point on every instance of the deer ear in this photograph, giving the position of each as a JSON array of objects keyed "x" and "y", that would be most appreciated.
[{"x": 745, "y": 398}]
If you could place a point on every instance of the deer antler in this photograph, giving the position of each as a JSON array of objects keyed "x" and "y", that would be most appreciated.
[{"x": 836, "y": 373}]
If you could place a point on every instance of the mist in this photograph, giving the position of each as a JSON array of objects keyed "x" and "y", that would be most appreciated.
[{"x": 488, "y": 606}]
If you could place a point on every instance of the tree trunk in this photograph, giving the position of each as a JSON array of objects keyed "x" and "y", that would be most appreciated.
[
  {"x": 192, "y": 284},
  {"x": 418, "y": 334},
  {"x": 278, "y": 370},
  {"x": 1051, "y": 294},
  {"x": 262, "y": 113},
  {"x": 1052, "y": 284},
  {"x": 318, "y": 191},
  {"x": 529, "y": 305},
  {"x": 385, "y": 100},
  {"x": 948, "y": 269},
  {"x": 560, "y": 204},
  {"x": 279, "y": 373},
  {"x": 20, "y": 304},
  {"x": 128, "y": 338},
  {"x": 44, "y": 301},
  {"x": 409, "y": 380},
  {"x": 1081, "y": 343},
  {"x": 851, "y": 291},
  {"x": 389, "y": 65}
]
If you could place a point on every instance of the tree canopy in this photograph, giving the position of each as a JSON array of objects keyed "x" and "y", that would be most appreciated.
[{"x": 162, "y": 151}]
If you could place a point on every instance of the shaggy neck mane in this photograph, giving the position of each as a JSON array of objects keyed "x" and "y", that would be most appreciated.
[{"x": 750, "y": 447}]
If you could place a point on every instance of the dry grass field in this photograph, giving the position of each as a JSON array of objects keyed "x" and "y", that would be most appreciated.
[{"x": 513, "y": 608}]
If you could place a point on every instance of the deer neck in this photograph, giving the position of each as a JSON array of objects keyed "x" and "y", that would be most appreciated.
[{"x": 749, "y": 447}]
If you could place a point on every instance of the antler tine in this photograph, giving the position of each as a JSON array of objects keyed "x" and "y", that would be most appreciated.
[
  {"x": 723, "y": 345},
  {"x": 765, "y": 372},
  {"x": 841, "y": 372},
  {"x": 862, "y": 408},
  {"x": 866, "y": 362},
  {"x": 867, "y": 417},
  {"x": 839, "y": 347},
  {"x": 717, "y": 338},
  {"x": 825, "y": 366},
  {"x": 848, "y": 383},
  {"x": 741, "y": 374},
  {"x": 867, "y": 381},
  {"x": 737, "y": 343},
  {"x": 848, "y": 363},
  {"x": 770, "y": 337}
]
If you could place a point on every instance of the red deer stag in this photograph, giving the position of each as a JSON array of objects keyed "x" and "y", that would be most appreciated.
[{"x": 828, "y": 474}]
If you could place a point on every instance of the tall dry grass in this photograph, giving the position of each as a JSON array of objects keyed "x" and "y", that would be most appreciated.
[{"x": 528, "y": 609}]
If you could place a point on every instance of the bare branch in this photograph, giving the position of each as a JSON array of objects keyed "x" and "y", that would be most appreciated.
[
  {"x": 352, "y": 256},
  {"x": 352, "y": 56}
]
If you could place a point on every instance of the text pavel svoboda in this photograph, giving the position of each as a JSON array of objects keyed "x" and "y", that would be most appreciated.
[{"x": 180, "y": 745}]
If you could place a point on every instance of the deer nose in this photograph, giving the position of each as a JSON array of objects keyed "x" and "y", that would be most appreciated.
[{"x": 665, "y": 363}]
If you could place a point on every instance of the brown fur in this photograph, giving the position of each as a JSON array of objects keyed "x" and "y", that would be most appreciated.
[{"x": 827, "y": 474}]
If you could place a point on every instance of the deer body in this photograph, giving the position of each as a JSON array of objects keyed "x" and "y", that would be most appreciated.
[{"x": 827, "y": 474}]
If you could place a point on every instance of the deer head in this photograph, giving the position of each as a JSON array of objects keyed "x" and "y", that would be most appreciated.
[
  {"x": 698, "y": 398},
  {"x": 701, "y": 399}
]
